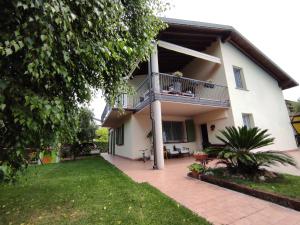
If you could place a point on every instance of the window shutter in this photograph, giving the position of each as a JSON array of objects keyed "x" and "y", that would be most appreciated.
[
  {"x": 190, "y": 130},
  {"x": 122, "y": 135}
]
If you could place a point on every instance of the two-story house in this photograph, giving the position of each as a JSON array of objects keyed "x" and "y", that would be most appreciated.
[{"x": 200, "y": 78}]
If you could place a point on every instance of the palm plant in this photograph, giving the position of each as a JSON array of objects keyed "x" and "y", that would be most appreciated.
[{"x": 239, "y": 155}]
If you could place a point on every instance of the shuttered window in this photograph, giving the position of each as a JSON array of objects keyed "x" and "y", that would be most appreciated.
[
  {"x": 190, "y": 130},
  {"x": 120, "y": 135}
]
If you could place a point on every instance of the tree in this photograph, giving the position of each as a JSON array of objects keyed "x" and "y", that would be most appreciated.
[
  {"x": 53, "y": 53},
  {"x": 86, "y": 132},
  {"x": 87, "y": 126},
  {"x": 238, "y": 154},
  {"x": 102, "y": 134}
]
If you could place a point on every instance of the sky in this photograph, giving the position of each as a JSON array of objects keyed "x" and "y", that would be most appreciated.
[{"x": 272, "y": 26}]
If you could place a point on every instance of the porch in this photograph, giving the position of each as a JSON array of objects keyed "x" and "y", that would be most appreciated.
[{"x": 218, "y": 205}]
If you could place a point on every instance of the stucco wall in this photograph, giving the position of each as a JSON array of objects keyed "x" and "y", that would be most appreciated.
[
  {"x": 263, "y": 98},
  {"x": 125, "y": 149},
  {"x": 220, "y": 118},
  {"x": 200, "y": 69}
]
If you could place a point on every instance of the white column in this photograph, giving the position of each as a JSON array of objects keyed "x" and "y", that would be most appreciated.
[{"x": 156, "y": 107}]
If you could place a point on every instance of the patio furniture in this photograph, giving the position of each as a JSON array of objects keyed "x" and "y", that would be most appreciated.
[
  {"x": 165, "y": 153},
  {"x": 182, "y": 150},
  {"x": 171, "y": 151}
]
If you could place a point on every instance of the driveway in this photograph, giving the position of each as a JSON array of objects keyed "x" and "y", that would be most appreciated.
[{"x": 216, "y": 204}]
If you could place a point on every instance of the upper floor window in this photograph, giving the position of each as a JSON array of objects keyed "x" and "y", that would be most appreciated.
[
  {"x": 239, "y": 78},
  {"x": 248, "y": 120}
]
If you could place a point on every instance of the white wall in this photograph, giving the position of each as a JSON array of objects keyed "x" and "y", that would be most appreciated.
[
  {"x": 125, "y": 149},
  {"x": 200, "y": 69},
  {"x": 220, "y": 118},
  {"x": 263, "y": 99}
]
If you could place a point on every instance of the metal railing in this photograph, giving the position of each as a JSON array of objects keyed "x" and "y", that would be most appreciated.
[
  {"x": 123, "y": 101},
  {"x": 142, "y": 93},
  {"x": 173, "y": 86},
  {"x": 186, "y": 87},
  {"x": 105, "y": 112}
]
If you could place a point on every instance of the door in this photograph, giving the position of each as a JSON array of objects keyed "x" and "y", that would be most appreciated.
[{"x": 204, "y": 135}]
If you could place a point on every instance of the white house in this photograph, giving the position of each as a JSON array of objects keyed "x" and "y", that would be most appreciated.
[{"x": 226, "y": 81}]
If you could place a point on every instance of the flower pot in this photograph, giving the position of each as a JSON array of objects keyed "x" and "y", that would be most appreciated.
[
  {"x": 195, "y": 174},
  {"x": 200, "y": 157}
]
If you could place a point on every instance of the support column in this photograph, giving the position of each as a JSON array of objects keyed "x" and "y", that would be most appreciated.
[{"x": 156, "y": 110}]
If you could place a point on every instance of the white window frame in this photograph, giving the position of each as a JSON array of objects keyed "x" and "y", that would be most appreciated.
[
  {"x": 242, "y": 81},
  {"x": 248, "y": 120}
]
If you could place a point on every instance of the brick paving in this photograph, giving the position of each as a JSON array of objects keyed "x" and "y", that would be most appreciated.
[{"x": 218, "y": 205}]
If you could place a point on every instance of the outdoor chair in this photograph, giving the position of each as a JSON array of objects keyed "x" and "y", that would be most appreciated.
[
  {"x": 182, "y": 150},
  {"x": 171, "y": 151}
]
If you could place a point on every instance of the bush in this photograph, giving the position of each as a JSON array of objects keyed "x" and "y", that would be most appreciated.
[
  {"x": 196, "y": 167},
  {"x": 238, "y": 153},
  {"x": 102, "y": 146}
]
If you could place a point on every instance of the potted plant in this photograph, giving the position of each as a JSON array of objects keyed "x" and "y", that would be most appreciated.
[
  {"x": 178, "y": 74},
  {"x": 200, "y": 156},
  {"x": 196, "y": 169}
]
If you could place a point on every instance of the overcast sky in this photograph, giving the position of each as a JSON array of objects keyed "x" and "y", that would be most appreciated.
[{"x": 272, "y": 26}]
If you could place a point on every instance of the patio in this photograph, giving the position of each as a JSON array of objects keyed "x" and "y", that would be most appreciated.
[{"x": 218, "y": 205}]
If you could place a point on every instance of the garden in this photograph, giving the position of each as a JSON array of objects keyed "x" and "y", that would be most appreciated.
[
  {"x": 87, "y": 191},
  {"x": 241, "y": 167}
]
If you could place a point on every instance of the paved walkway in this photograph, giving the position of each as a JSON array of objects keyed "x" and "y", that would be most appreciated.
[{"x": 216, "y": 204}]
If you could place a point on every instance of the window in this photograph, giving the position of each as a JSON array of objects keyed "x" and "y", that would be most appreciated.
[
  {"x": 239, "y": 78},
  {"x": 248, "y": 120},
  {"x": 173, "y": 131},
  {"x": 120, "y": 135}
]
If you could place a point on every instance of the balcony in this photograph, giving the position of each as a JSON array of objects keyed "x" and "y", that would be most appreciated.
[{"x": 173, "y": 89}]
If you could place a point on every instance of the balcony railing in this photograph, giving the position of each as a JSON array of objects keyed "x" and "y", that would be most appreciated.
[
  {"x": 142, "y": 94},
  {"x": 187, "y": 88},
  {"x": 174, "y": 88}
]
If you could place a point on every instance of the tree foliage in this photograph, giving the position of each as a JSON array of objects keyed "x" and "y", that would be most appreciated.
[
  {"x": 53, "y": 53},
  {"x": 102, "y": 134},
  {"x": 239, "y": 155}
]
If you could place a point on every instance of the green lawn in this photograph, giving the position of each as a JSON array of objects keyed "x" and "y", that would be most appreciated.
[
  {"x": 89, "y": 191},
  {"x": 285, "y": 185}
]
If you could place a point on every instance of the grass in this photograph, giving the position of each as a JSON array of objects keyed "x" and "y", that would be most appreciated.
[
  {"x": 89, "y": 191},
  {"x": 285, "y": 185}
]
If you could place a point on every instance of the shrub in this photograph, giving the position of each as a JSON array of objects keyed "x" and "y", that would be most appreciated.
[
  {"x": 196, "y": 167},
  {"x": 238, "y": 154},
  {"x": 102, "y": 146}
]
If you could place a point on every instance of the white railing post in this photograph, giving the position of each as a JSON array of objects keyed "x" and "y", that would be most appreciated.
[{"x": 156, "y": 107}]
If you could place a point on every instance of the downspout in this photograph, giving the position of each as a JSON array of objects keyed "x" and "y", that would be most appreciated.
[{"x": 151, "y": 96}]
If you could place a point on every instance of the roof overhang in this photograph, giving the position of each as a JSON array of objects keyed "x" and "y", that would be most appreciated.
[
  {"x": 115, "y": 117},
  {"x": 188, "y": 32}
]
